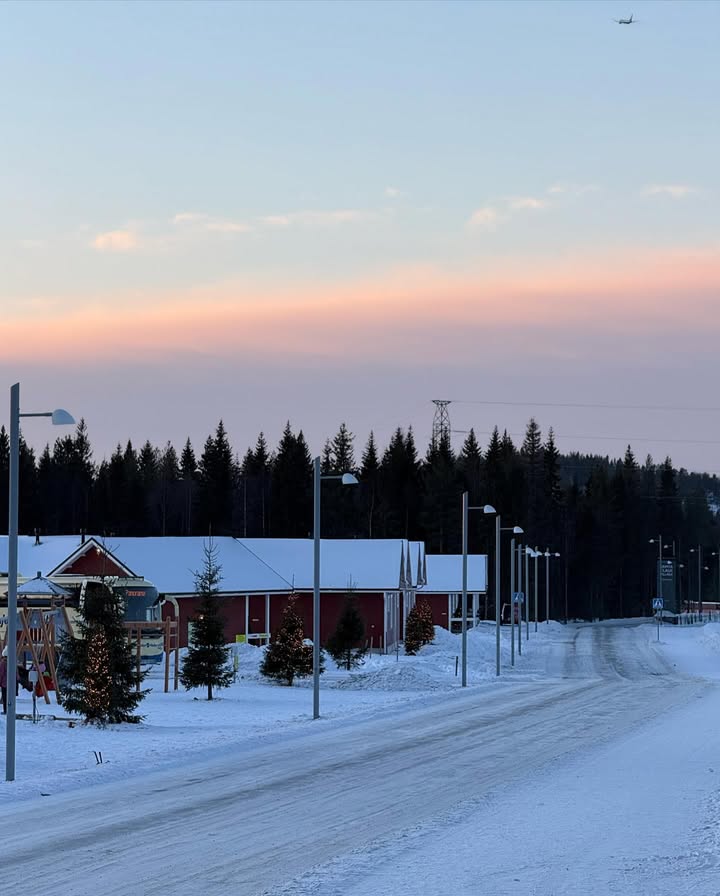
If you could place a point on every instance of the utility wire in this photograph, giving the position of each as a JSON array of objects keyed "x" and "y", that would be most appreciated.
[{"x": 560, "y": 404}]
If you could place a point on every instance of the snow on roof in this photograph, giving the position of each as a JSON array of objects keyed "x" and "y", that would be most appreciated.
[
  {"x": 171, "y": 564},
  {"x": 360, "y": 564},
  {"x": 249, "y": 565},
  {"x": 40, "y": 586},
  {"x": 444, "y": 573},
  {"x": 34, "y": 558}
]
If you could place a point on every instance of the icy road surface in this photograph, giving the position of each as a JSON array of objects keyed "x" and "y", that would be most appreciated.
[{"x": 606, "y": 777}]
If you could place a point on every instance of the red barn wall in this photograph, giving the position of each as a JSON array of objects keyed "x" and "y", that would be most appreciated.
[{"x": 371, "y": 606}]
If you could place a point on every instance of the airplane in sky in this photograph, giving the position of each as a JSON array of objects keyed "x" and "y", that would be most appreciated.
[{"x": 629, "y": 21}]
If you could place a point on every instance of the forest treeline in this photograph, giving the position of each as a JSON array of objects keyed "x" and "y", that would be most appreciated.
[{"x": 598, "y": 513}]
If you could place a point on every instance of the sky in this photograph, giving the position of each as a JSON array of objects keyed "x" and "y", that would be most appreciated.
[{"x": 338, "y": 212}]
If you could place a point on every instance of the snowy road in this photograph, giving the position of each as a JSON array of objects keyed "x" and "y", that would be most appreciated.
[{"x": 340, "y": 809}]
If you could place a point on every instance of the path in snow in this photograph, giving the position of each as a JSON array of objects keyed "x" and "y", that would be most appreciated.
[{"x": 256, "y": 824}]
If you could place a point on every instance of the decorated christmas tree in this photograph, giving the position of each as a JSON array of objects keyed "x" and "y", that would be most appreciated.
[
  {"x": 98, "y": 674},
  {"x": 287, "y": 657},
  {"x": 414, "y": 632},
  {"x": 346, "y": 645},
  {"x": 206, "y": 663},
  {"x": 425, "y": 613}
]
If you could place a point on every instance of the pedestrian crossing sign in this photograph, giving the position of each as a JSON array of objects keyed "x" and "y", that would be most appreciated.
[{"x": 657, "y": 603}]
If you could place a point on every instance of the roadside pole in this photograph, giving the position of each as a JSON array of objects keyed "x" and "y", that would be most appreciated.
[{"x": 658, "y": 606}]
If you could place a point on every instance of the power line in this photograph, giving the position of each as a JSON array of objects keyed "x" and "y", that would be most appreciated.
[{"x": 608, "y": 407}]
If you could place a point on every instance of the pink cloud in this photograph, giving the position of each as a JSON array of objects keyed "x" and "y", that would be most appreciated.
[
  {"x": 561, "y": 310},
  {"x": 116, "y": 241}
]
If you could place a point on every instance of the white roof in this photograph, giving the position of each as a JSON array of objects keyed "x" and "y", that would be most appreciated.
[
  {"x": 250, "y": 565},
  {"x": 444, "y": 573},
  {"x": 38, "y": 558},
  {"x": 171, "y": 564},
  {"x": 360, "y": 564}
]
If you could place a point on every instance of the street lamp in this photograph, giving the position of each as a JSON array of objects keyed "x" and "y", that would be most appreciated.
[
  {"x": 659, "y": 542},
  {"x": 346, "y": 479},
  {"x": 59, "y": 418},
  {"x": 498, "y": 529},
  {"x": 466, "y": 508},
  {"x": 514, "y": 558},
  {"x": 528, "y": 554},
  {"x": 700, "y": 567},
  {"x": 548, "y": 555}
]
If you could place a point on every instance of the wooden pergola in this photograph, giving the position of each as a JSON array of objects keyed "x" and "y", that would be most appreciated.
[{"x": 136, "y": 629}]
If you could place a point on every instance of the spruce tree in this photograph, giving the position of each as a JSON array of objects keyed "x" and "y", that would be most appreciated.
[
  {"x": 98, "y": 674},
  {"x": 428, "y": 629},
  {"x": 370, "y": 484},
  {"x": 346, "y": 645},
  {"x": 287, "y": 657},
  {"x": 414, "y": 632},
  {"x": 206, "y": 663}
]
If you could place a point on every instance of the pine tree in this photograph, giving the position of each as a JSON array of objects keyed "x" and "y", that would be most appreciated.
[
  {"x": 346, "y": 644},
  {"x": 414, "y": 632},
  {"x": 287, "y": 657},
  {"x": 206, "y": 663},
  {"x": 98, "y": 668},
  {"x": 426, "y": 619},
  {"x": 370, "y": 484}
]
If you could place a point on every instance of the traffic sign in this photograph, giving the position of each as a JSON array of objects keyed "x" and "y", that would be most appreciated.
[
  {"x": 518, "y": 597},
  {"x": 657, "y": 603}
]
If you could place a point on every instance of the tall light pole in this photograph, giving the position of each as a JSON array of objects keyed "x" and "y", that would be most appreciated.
[
  {"x": 548, "y": 554},
  {"x": 466, "y": 508},
  {"x": 488, "y": 508},
  {"x": 520, "y": 601},
  {"x": 516, "y": 530},
  {"x": 528, "y": 554},
  {"x": 347, "y": 479},
  {"x": 498, "y": 530},
  {"x": 536, "y": 554},
  {"x": 59, "y": 417},
  {"x": 512, "y": 600},
  {"x": 659, "y": 541}
]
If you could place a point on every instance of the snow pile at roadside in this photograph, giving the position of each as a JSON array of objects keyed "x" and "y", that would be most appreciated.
[
  {"x": 399, "y": 677},
  {"x": 693, "y": 650}
]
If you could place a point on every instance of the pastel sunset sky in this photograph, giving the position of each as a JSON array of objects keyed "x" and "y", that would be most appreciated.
[{"x": 338, "y": 211}]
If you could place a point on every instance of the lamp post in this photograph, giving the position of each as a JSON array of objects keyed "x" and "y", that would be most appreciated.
[
  {"x": 466, "y": 508},
  {"x": 59, "y": 417},
  {"x": 516, "y": 530},
  {"x": 347, "y": 479},
  {"x": 520, "y": 591},
  {"x": 700, "y": 567},
  {"x": 548, "y": 554},
  {"x": 488, "y": 508},
  {"x": 498, "y": 530},
  {"x": 512, "y": 600},
  {"x": 659, "y": 542},
  {"x": 528, "y": 555},
  {"x": 536, "y": 554}
]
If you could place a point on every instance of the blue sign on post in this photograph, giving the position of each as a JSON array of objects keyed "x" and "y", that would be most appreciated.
[
  {"x": 518, "y": 597},
  {"x": 657, "y": 603}
]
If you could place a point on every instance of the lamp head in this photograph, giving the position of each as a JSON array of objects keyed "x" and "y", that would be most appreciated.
[
  {"x": 488, "y": 508},
  {"x": 349, "y": 479},
  {"x": 517, "y": 530},
  {"x": 61, "y": 417}
]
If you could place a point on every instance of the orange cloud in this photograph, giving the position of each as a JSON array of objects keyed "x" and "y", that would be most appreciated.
[
  {"x": 116, "y": 241},
  {"x": 566, "y": 310}
]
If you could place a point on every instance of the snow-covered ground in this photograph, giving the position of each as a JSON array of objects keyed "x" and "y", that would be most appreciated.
[{"x": 592, "y": 762}]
